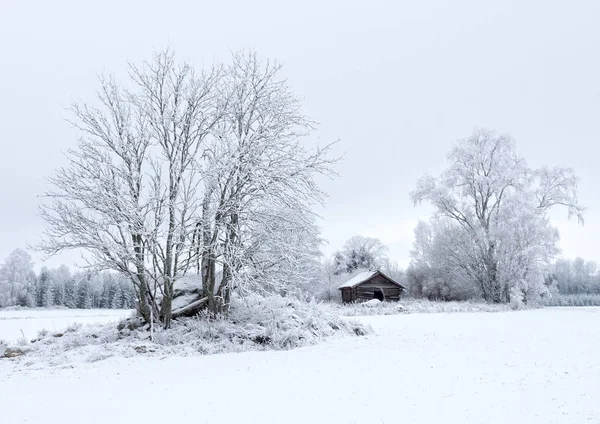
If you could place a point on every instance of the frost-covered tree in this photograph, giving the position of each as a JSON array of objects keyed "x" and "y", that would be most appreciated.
[
  {"x": 176, "y": 172},
  {"x": 60, "y": 277},
  {"x": 361, "y": 252},
  {"x": 107, "y": 294},
  {"x": 393, "y": 270},
  {"x": 436, "y": 270},
  {"x": 283, "y": 253},
  {"x": 84, "y": 293},
  {"x": 491, "y": 219},
  {"x": 70, "y": 299},
  {"x": 260, "y": 181},
  {"x": 576, "y": 276},
  {"x": 129, "y": 193},
  {"x": 17, "y": 279},
  {"x": 43, "y": 295}
]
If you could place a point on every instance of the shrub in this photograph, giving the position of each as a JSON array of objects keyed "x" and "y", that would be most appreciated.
[
  {"x": 574, "y": 300},
  {"x": 256, "y": 323},
  {"x": 259, "y": 323},
  {"x": 418, "y": 306}
]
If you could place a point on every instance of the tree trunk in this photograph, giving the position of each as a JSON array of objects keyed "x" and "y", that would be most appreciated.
[
  {"x": 208, "y": 278},
  {"x": 145, "y": 298},
  {"x": 166, "y": 303}
]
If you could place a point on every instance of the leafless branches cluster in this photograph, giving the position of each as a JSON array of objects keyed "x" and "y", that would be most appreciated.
[
  {"x": 491, "y": 228},
  {"x": 184, "y": 170}
]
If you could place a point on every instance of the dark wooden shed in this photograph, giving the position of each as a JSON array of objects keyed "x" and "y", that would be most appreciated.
[{"x": 371, "y": 285}]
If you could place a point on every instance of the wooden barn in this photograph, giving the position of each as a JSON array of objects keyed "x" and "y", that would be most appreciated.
[{"x": 371, "y": 285}]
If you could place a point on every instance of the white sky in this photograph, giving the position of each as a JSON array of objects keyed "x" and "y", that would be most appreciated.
[{"x": 398, "y": 82}]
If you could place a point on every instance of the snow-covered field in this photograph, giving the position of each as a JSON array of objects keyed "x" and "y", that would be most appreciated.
[
  {"x": 16, "y": 323},
  {"x": 537, "y": 366}
]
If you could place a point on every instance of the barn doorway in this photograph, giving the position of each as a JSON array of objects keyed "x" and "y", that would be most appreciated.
[{"x": 378, "y": 294}]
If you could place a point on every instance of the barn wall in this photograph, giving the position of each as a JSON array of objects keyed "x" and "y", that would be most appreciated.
[
  {"x": 348, "y": 294},
  {"x": 391, "y": 291}
]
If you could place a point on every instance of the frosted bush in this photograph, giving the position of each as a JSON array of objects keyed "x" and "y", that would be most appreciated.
[
  {"x": 418, "y": 306},
  {"x": 256, "y": 323},
  {"x": 516, "y": 298}
]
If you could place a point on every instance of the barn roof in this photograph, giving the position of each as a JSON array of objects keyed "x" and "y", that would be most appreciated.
[{"x": 364, "y": 277}]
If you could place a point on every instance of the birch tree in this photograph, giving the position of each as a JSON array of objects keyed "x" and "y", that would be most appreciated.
[
  {"x": 498, "y": 208},
  {"x": 128, "y": 195},
  {"x": 259, "y": 181},
  {"x": 182, "y": 171}
]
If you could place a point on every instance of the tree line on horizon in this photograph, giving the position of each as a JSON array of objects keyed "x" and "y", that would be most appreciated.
[{"x": 21, "y": 286}]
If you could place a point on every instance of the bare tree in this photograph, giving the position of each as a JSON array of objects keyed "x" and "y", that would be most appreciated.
[
  {"x": 180, "y": 110},
  {"x": 361, "y": 252},
  {"x": 17, "y": 279},
  {"x": 188, "y": 171},
  {"x": 498, "y": 208},
  {"x": 260, "y": 179},
  {"x": 129, "y": 193}
]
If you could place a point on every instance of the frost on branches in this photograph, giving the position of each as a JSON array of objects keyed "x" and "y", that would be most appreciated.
[
  {"x": 491, "y": 233},
  {"x": 184, "y": 172},
  {"x": 16, "y": 279},
  {"x": 360, "y": 252}
]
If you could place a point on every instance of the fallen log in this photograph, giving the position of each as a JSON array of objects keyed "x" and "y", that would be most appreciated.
[{"x": 190, "y": 309}]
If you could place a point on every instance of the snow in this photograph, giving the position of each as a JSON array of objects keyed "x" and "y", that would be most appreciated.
[
  {"x": 181, "y": 301},
  {"x": 357, "y": 279},
  {"x": 362, "y": 277},
  {"x": 373, "y": 303},
  {"x": 535, "y": 366},
  {"x": 16, "y": 323},
  {"x": 189, "y": 284}
]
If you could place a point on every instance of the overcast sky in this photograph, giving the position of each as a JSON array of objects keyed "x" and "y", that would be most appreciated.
[{"x": 398, "y": 82}]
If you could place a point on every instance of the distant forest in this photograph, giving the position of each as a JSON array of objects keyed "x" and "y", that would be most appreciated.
[{"x": 20, "y": 285}]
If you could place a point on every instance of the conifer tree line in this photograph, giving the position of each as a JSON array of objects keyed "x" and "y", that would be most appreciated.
[{"x": 20, "y": 285}]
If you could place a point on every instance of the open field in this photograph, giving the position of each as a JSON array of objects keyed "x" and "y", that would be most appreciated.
[
  {"x": 16, "y": 323},
  {"x": 536, "y": 366}
]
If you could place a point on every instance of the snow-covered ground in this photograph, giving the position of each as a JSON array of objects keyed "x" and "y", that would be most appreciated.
[
  {"x": 537, "y": 366},
  {"x": 16, "y": 323}
]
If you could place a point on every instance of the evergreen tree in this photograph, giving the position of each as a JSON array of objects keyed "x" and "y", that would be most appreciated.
[
  {"x": 43, "y": 289},
  {"x": 117, "y": 302},
  {"x": 84, "y": 298},
  {"x": 69, "y": 297},
  {"x": 104, "y": 303},
  {"x": 112, "y": 293},
  {"x": 57, "y": 293},
  {"x": 125, "y": 295},
  {"x": 130, "y": 296}
]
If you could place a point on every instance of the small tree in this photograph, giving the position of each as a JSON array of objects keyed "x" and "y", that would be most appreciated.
[
  {"x": 361, "y": 253},
  {"x": 84, "y": 298},
  {"x": 17, "y": 279},
  {"x": 43, "y": 294},
  {"x": 70, "y": 293}
]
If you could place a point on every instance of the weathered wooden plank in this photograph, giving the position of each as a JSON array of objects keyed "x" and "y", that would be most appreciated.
[{"x": 379, "y": 284}]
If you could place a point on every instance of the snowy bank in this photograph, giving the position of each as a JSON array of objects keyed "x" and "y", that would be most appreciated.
[
  {"x": 257, "y": 323},
  {"x": 17, "y": 324}
]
